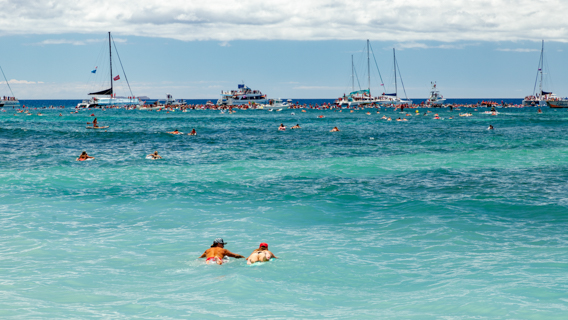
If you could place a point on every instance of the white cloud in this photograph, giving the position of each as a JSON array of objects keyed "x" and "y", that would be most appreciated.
[
  {"x": 14, "y": 81},
  {"x": 226, "y": 20},
  {"x": 518, "y": 50},
  {"x": 75, "y": 42},
  {"x": 317, "y": 88}
]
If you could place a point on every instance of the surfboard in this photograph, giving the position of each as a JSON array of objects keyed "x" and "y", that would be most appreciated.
[{"x": 104, "y": 127}]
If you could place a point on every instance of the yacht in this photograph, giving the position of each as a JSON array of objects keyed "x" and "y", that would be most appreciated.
[
  {"x": 244, "y": 95},
  {"x": 435, "y": 99}
]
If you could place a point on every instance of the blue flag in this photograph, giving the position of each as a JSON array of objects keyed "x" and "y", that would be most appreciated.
[{"x": 94, "y": 71}]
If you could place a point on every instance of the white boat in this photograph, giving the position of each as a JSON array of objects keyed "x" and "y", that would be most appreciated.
[
  {"x": 107, "y": 97},
  {"x": 539, "y": 98},
  {"x": 8, "y": 101},
  {"x": 357, "y": 98},
  {"x": 274, "y": 104},
  {"x": 244, "y": 95},
  {"x": 392, "y": 98},
  {"x": 435, "y": 99}
]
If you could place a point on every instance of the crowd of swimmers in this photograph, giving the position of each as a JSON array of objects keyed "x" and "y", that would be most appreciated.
[{"x": 217, "y": 251}]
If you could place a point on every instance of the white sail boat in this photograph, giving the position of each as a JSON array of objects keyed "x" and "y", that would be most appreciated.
[
  {"x": 6, "y": 101},
  {"x": 392, "y": 98},
  {"x": 360, "y": 97},
  {"x": 538, "y": 98},
  {"x": 107, "y": 97}
]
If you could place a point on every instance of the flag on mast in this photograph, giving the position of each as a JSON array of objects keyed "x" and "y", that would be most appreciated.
[
  {"x": 116, "y": 78},
  {"x": 94, "y": 71}
]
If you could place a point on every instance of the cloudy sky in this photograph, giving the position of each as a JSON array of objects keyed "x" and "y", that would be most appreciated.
[{"x": 287, "y": 49}]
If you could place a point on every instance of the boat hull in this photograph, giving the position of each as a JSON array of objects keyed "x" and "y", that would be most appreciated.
[
  {"x": 9, "y": 103},
  {"x": 558, "y": 104}
]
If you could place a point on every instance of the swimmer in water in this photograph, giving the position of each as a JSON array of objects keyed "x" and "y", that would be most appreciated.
[
  {"x": 192, "y": 133},
  {"x": 282, "y": 127},
  {"x": 155, "y": 155},
  {"x": 174, "y": 132},
  {"x": 490, "y": 127},
  {"x": 335, "y": 129},
  {"x": 297, "y": 126},
  {"x": 261, "y": 254},
  {"x": 217, "y": 252},
  {"x": 84, "y": 156}
]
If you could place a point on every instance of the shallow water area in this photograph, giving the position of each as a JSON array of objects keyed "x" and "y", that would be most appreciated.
[{"x": 420, "y": 219}]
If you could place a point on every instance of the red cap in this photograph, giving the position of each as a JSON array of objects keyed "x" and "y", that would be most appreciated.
[{"x": 263, "y": 245}]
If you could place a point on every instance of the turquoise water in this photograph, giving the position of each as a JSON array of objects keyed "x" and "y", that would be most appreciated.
[{"x": 424, "y": 219}]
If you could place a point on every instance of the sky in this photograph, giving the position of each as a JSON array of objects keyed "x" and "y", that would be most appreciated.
[{"x": 287, "y": 49}]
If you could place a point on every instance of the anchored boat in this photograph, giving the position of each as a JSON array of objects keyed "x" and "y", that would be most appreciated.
[
  {"x": 107, "y": 97},
  {"x": 244, "y": 95},
  {"x": 8, "y": 101}
]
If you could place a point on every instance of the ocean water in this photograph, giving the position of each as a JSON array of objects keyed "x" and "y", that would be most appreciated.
[{"x": 424, "y": 219}]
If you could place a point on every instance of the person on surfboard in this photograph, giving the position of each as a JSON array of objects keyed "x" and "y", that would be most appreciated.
[
  {"x": 217, "y": 252},
  {"x": 261, "y": 254},
  {"x": 155, "y": 155}
]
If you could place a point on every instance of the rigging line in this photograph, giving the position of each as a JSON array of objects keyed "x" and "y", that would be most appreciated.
[
  {"x": 7, "y": 82},
  {"x": 377, "y": 65},
  {"x": 125, "y": 77},
  {"x": 356, "y": 76},
  {"x": 402, "y": 82}
]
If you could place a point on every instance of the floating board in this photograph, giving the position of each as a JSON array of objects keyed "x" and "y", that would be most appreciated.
[
  {"x": 88, "y": 159},
  {"x": 104, "y": 127}
]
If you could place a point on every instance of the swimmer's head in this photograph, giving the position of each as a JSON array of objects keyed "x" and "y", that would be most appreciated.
[
  {"x": 155, "y": 152},
  {"x": 217, "y": 242},
  {"x": 84, "y": 152},
  {"x": 263, "y": 245}
]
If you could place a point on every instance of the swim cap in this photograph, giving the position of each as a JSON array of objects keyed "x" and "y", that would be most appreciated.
[
  {"x": 219, "y": 241},
  {"x": 263, "y": 245}
]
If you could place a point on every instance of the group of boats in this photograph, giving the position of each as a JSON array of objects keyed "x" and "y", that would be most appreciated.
[{"x": 257, "y": 100}]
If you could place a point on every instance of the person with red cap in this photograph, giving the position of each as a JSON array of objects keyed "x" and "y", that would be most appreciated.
[
  {"x": 261, "y": 254},
  {"x": 217, "y": 252}
]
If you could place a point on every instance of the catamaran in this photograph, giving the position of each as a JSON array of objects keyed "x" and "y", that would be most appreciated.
[
  {"x": 8, "y": 101},
  {"x": 107, "y": 97},
  {"x": 360, "y": 97},
  {"x": 539, "y": 98},
  {"x": 244, "y": 95}
]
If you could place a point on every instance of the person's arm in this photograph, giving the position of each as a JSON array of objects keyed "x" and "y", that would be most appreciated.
[
  {"x": 204, "y": 254},
  {"x": 272, "y": 254},
  {"x": 230, "y": 254}
]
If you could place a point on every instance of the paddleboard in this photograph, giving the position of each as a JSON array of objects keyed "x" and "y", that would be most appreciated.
[{"x": 104, "y": 127}]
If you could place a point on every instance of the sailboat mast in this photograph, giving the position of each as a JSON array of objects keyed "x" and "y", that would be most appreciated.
[
  {"x": 368, "y": 67},
  {"x": 110, "y": 59},
  {"x": 394, "y": 59},
  {"x": 352, "y": 75},
  {"x": 541, "y": 66}
]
